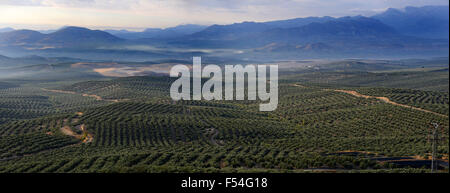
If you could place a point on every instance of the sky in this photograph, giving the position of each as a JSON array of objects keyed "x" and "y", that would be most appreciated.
[{"x": 140, "y": 14}]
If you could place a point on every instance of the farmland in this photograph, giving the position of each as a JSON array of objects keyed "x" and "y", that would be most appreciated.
[{"x": 130, "y": 124}]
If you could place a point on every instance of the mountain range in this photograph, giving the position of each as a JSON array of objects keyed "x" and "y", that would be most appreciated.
[
  {"x": 413, "y": 29},
  {"x": 65, "y": 37},
  {"x": 426, "y": 22},
  {"x": 170, "y": 32},
  {"x": 6, "y": 29}
]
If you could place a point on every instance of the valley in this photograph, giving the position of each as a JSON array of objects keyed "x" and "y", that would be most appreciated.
[{"x": 85, "y": 87}]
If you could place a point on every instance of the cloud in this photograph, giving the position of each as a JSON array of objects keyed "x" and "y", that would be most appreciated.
[
  {"x": 94, "y": 4},
  {"x": 164, "y": 13},
  {"x": 317, "y": 6},
  {"x": 21, "y": 2}
]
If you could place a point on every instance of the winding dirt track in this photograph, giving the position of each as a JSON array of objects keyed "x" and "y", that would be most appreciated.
[
  {"x": 99, "y": 98},
  {"x": 384, "y": 99},
  {"x": 212, "y": 136},
  {"x": 66, "y": 130},
  {"x": 86, "y": 137}
]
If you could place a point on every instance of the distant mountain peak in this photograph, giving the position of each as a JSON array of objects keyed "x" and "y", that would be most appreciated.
[
  {"x": 354, "y": 26},
  {"x": 20, "y": 36},
  {"x": 67, "y": 36},
  {"x": 6, "y": 29},
  {"x": 3, "y": 57},
  {"x": 152, "y": 29},
  {"x": 424, "y": 22},
  {"x": 76, "y": 29},
  {"x": 24, "y": 31},
  {"x": 393, "y": 11},
  {"x": 73, "y": 28},
  {"x": 72, "y": 34}
]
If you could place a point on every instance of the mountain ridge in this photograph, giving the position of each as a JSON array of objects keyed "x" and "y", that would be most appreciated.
[
  {"x": 357, "y": 33},
  {"x": 426, "y": 21},
  {"x": 67, "y": 36}
]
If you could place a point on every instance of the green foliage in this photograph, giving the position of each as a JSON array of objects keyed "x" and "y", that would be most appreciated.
[{"x": 137, "y": 128}]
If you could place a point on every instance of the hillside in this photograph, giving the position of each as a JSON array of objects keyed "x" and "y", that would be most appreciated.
[
  {"x": 331, "y": 116},
  {"x": 340, "y": 36},
  {"x": 312, "y": 128}
]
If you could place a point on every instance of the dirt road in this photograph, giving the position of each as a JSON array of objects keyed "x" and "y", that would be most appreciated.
[
  {"x": 212, "y": 135},
  {"x": 67, "y": 131},
  {"x": 85, "y": 136},
  {"x": 384, "y": 99},
  {"x": 387, "y": 100},
  {"x": 99, "y": 98}
]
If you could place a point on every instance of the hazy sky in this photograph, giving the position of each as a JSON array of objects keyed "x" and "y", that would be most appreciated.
[{"x": 138, "y": 14}]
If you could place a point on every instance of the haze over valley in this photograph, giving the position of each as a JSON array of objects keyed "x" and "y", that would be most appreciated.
[{"x": 423, "y": 33}]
